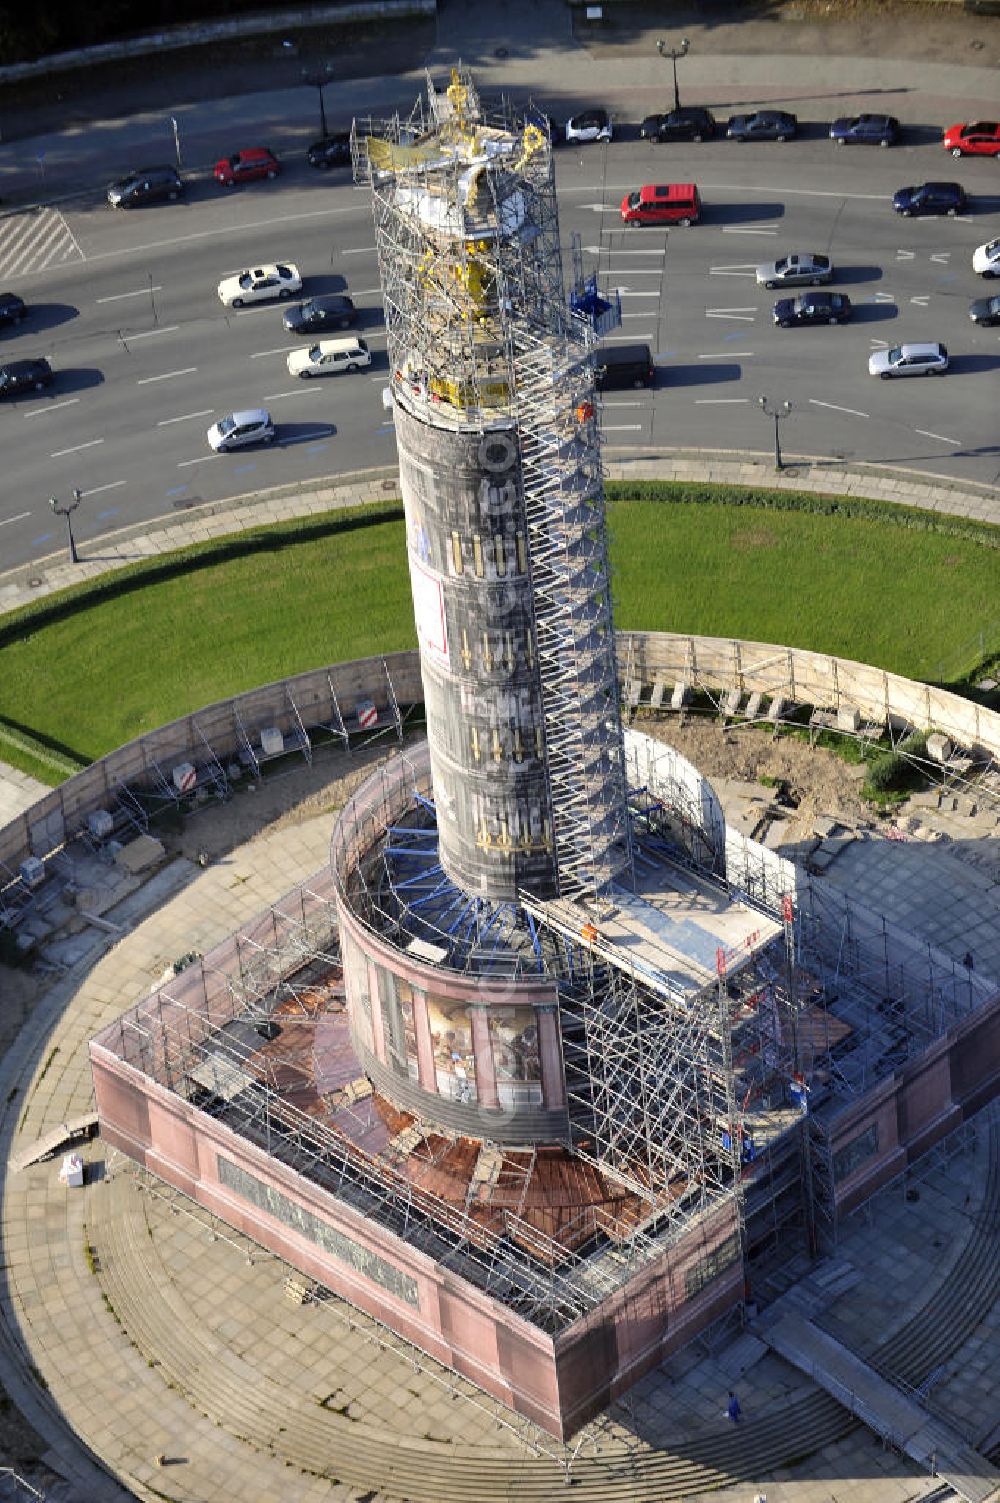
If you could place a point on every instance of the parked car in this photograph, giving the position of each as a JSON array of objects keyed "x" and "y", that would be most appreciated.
[
  {"x": 985, "y": 311},
  {"x": 334, "y": 311},
  {"x": 980, "y": 138},
  {"x": 545, "y": 123},
  {"x": 260, "y": 284},
  {"x": 240, "y": 429},
  {"x": 909, "y": 360},
  {"x": 794, "y": 270},
  {"x": 869, "y": 130},
  {"x": 763, "y": 125},
  {"x": 689, "y": 123},
  {"x": 329, "y": 358},
  {"x": 591, "y": 125},
  {"x": 986, "y": 259},
  {"x": 812, "y": 308},
  {"x": 146, "y": 185},
  {"x": 24, "y": 375},
  {"x": 331, "y": 151},
  {"x": 12, "y": 310},
  {"x": 929, "y": 198},
  {"x": 246, "y": 166}
]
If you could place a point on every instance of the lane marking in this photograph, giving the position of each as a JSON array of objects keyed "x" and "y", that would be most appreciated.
[
  {"x": 285, "y": 348},
  {"x": 621, "y": 428},
  {"x": 361, "y": 250},
  {"x": 732, "y": 229},
  {"x": 650, "y": 250},
  {"x": 44, "y": 411},
  {"x": 116, "y": 297},
  {"x": 922, "y": 301},
  {"x": 90, "y": 444},
  {"x": 726, "y": 355},
  {"x": 281, "y": 220},
  {"x": 97, "y": 489},
  {"x": 306, "y": 438},
  {"x": 624, "y": 292},
  {"x": 6, "y": 521},
  {"x": 851, "y": 411},
  {"x": 149, "y": 333},
  {"x": 628, "y": 338},
  {"x": 185, "y": 417},
  {"x": 939, "y": 436},
  {"x": 186, "y": 463},
  {"x": 719, "y": 401},
  {"x": 299, "y": 391},
  {"x": 189, "y": 370},
  {"x": 742, "y": 318}
]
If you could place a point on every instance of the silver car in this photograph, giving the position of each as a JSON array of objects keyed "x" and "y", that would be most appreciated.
[
  {"x": 240, "y": 429},
  {"x": 803, "y": 269},
  {"x": 909, "y": 360}
]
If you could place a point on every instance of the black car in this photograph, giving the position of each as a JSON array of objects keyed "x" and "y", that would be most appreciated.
[
  {"x": 316, "y": 314},
  {"x": 24, "y": 375},
  {"x": 812, "y": 308},
  {"x": 331, "y": 151},
  {"x": 985, "y": 311},
  {"x": 689, "y": 123},
  {"x": 545, "y": 123},
  {"x": 929, "y": 198},
  {"x": 870, "y": 130},
  {"x": 146, "y": 185},
  {"x": 763, "y": 125},
  {"x": 12, "y": 309}
]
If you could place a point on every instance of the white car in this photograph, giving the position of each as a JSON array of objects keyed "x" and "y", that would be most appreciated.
[
  {"x": 329, "y": 358},
  {"x": 909, "y": 360},
  {"x": 592, "y": 125},
  {"x": 259, "y": 284},
  {"x": 240, "y": 429},
  {"x": 986, "y": 259}
]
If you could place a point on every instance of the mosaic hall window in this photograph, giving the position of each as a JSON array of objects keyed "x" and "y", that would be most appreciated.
[
  {"x": 514, "y": 1035},
  {"x": 451, "y": 1040},
  {"x": 356, "y": 985},
  {"x": 396, "y": 1001}
]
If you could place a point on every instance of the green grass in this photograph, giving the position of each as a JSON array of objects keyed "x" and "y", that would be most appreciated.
[
  {"x": 904, "y": 599},
  {"x": 84, "y": 671}
]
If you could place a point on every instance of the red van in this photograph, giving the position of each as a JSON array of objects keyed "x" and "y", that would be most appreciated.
[{"x": 662, "y": 203}]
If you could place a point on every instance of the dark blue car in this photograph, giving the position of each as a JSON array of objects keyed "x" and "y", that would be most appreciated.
[
  {"x": 869, "y": 130},
  {"x": 929, "y": 198}
]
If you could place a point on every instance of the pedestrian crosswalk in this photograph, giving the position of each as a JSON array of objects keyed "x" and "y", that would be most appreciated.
[{"x": 34, "y": 239}]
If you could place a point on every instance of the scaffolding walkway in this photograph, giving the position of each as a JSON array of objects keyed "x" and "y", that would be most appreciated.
[{"x": 896, "y": 1418}]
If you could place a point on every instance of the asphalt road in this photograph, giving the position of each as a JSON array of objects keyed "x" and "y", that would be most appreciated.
[{"x": 124, "y": 306}]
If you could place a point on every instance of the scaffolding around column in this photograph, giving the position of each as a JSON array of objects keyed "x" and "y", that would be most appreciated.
[{"x": 482, "y": 339}]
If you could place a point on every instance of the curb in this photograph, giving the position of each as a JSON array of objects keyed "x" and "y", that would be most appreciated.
[{"x": 30, "y": 582}]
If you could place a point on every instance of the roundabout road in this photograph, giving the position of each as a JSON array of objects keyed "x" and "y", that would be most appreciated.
[{"x": 146, "y": 357}]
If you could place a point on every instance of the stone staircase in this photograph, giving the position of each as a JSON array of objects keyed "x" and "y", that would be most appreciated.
[{"x": 293, "y": 1424}]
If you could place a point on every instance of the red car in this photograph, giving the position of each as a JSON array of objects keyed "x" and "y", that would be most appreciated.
[
  {"x": 246, "y": 166},
  {"x": 980, "y": 138}
]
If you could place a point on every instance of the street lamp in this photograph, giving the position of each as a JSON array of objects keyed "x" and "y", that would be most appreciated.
[
  {"x": 776, "y": 410},
  {"x": 66, "y": 510},
  {"x": 674, "y": 53},
  {"x": 177, "y": 141},
  {"x": 319, "y": 75}
]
